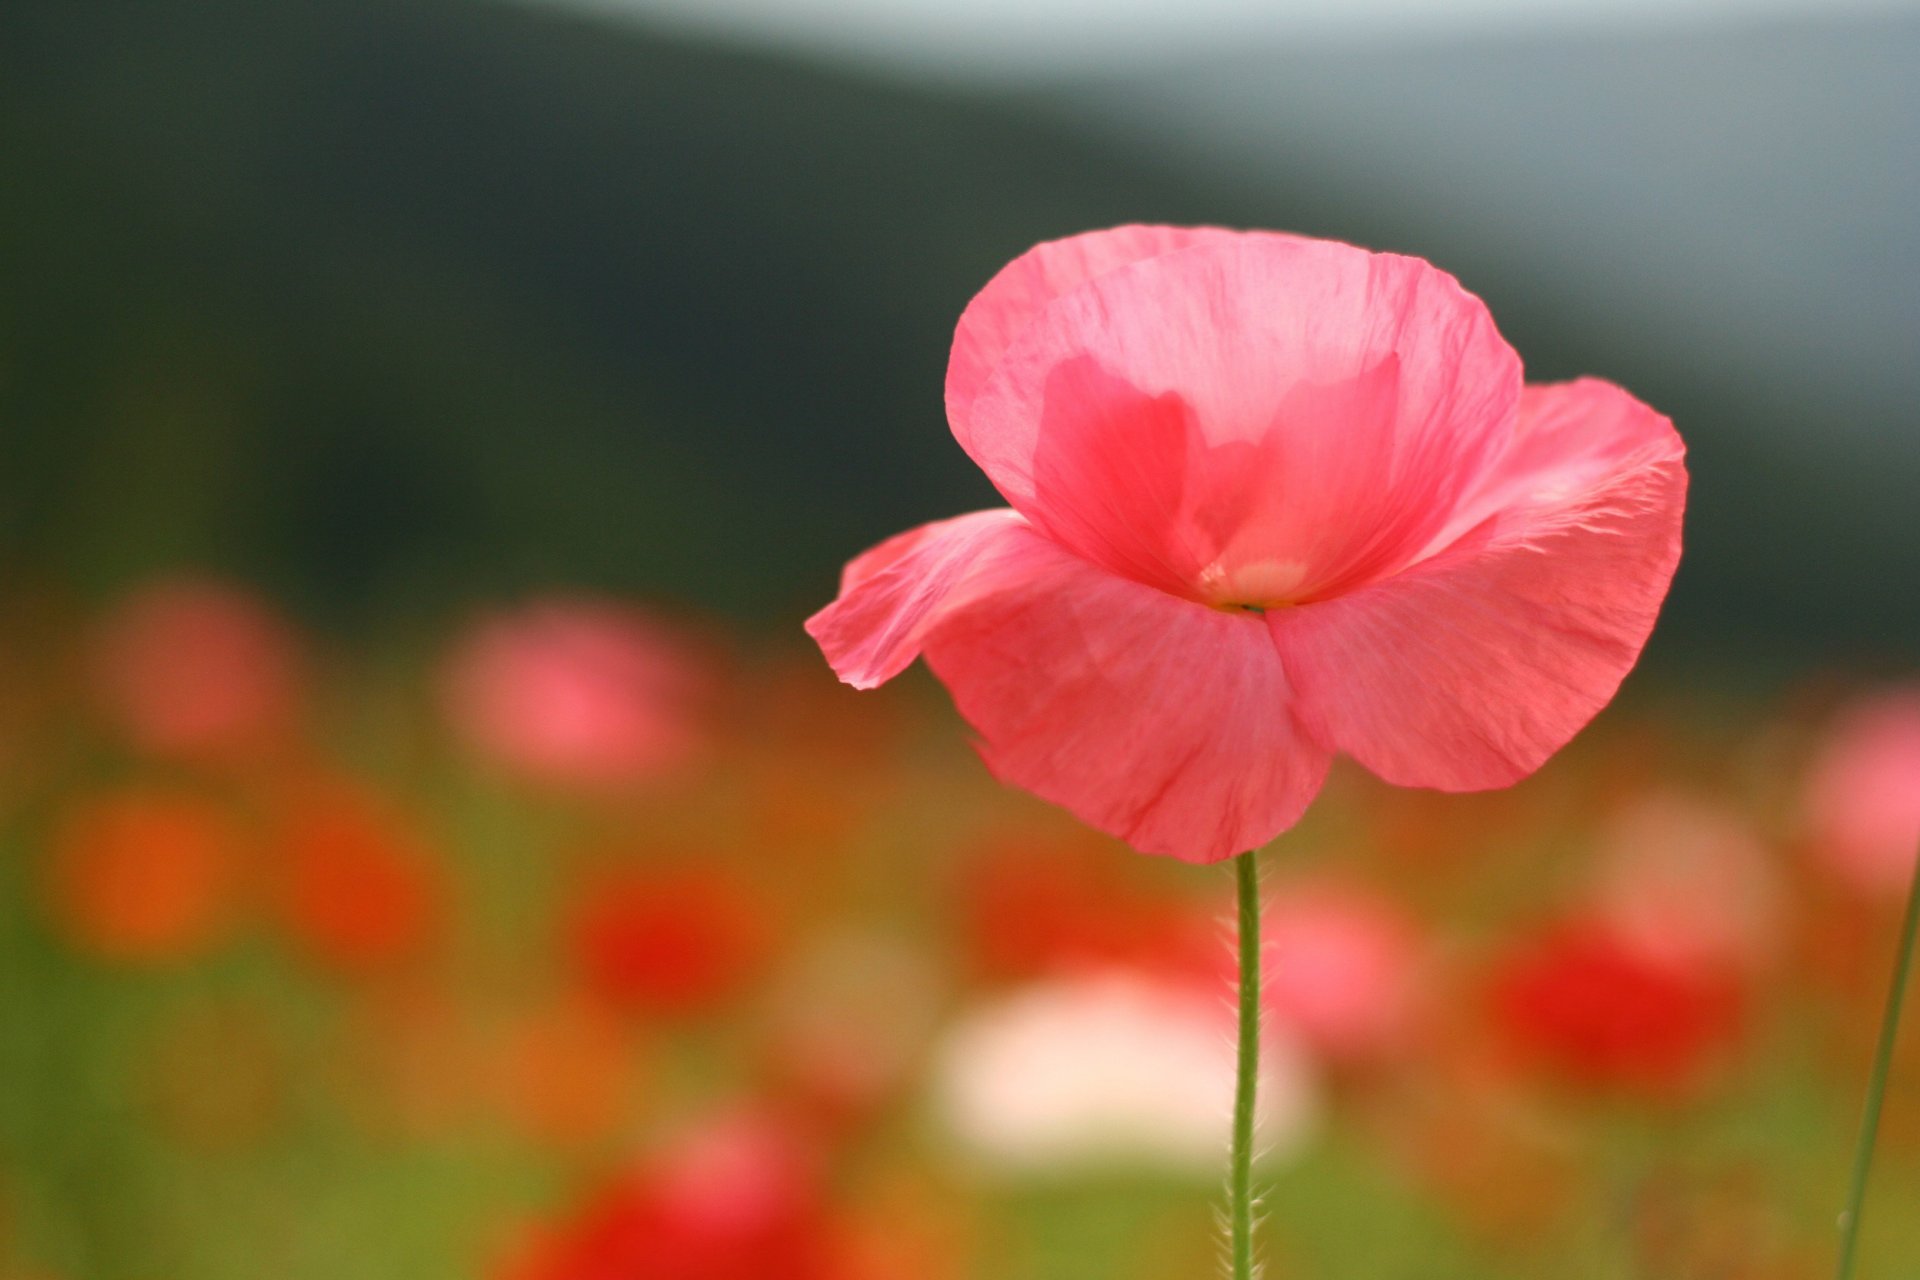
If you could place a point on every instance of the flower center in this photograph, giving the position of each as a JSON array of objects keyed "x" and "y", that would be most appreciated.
[{"x": 1256, "y": 585}]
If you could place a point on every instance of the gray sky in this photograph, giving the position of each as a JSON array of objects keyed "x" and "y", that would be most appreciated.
[{"x": 1036, "y": 38}]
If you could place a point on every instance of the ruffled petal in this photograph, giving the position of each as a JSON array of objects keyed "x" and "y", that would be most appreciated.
[
  {"x": 1023, "y": 288},
  {"x": 1314, "y": 414},
  {"x": 893, "y": 594},
  {"x": 1469, "y": 669},
  {"x": 1157, "y": 720}
]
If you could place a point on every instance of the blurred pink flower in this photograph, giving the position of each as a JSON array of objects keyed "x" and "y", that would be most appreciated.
[
  {"x": 1688, "y": 881},
  {"x": 1863, "y": 792},
  {"x": 194, "y": 667},
  {"x": 577, "y": 693},
  {"x": 1271, "y": 498},
  {"x": 1341, "y": 968}
]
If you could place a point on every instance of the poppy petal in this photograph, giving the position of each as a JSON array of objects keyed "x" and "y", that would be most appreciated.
[
  {"x": 1162, "y": 722},
  {"x": 1023, "y": 288},
  {"x": 892, "y": 595},
  {"x": 1467, "y": 670},
  {"x": 1314, "y": 414}
]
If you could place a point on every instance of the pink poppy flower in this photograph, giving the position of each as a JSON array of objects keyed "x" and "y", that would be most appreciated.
[
  {"x": 1271, "y": 498},
  {"x": 1863, "y": 792}
]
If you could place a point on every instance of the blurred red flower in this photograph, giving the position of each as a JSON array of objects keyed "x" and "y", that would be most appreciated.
[
  {"x": 144, "y": 875},
  {"x": 584, "y": 694},
  {"x": 190, "y": 667},
  {"x": 1036, "y": 902},
  {"x": 1587, "y": 1004},
  {"x": 736, "y": 1199},
  {"x": 360, "y": 887},
  {"x": 669, "y": 941}
]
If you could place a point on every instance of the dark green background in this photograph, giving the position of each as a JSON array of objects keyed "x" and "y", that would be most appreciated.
[{"x": 389, "y": 305}]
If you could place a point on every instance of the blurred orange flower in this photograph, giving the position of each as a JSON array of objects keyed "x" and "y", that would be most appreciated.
[
  {"x": 1497, "y": 1162},
  {"x": 907, "y": 1231},
  {"x": 143, "y": 875},
  {"x": 565, "y": 1072}
]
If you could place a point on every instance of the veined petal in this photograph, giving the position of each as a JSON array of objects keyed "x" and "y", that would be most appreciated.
[
  {"x": 893, "y": 594},
  {"x": 1314, "y": 414},
  {"x": 1158, "y": 720},
  {"x": 1024, "y": 287},
  {"x": 1469, "y": 669}
]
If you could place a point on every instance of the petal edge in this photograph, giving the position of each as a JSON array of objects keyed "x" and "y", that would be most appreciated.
[
  {"x": 892, "y": 595},
  {"x": 1469, "y": 669}
]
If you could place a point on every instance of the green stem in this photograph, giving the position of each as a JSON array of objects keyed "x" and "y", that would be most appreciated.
[
  {"x": 1877, "y": 1083},
  {"x": 1246, "y": 1071}
]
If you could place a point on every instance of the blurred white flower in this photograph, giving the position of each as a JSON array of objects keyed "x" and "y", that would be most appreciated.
[{"x": 1110, "y": 1070}]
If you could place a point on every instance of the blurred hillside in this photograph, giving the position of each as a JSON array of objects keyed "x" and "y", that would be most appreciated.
[
  {"x": 1720, "y": 216},
  {"x": 385, "y": 305}
]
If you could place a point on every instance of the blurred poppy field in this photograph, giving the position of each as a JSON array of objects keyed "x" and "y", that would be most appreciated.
[
  {"x": 431, "y": 849},
  {"x": 580, "y": 939}
]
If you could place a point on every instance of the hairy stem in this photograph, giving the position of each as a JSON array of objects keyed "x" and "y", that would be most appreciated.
[{"x": 1246, "y": 1070}]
